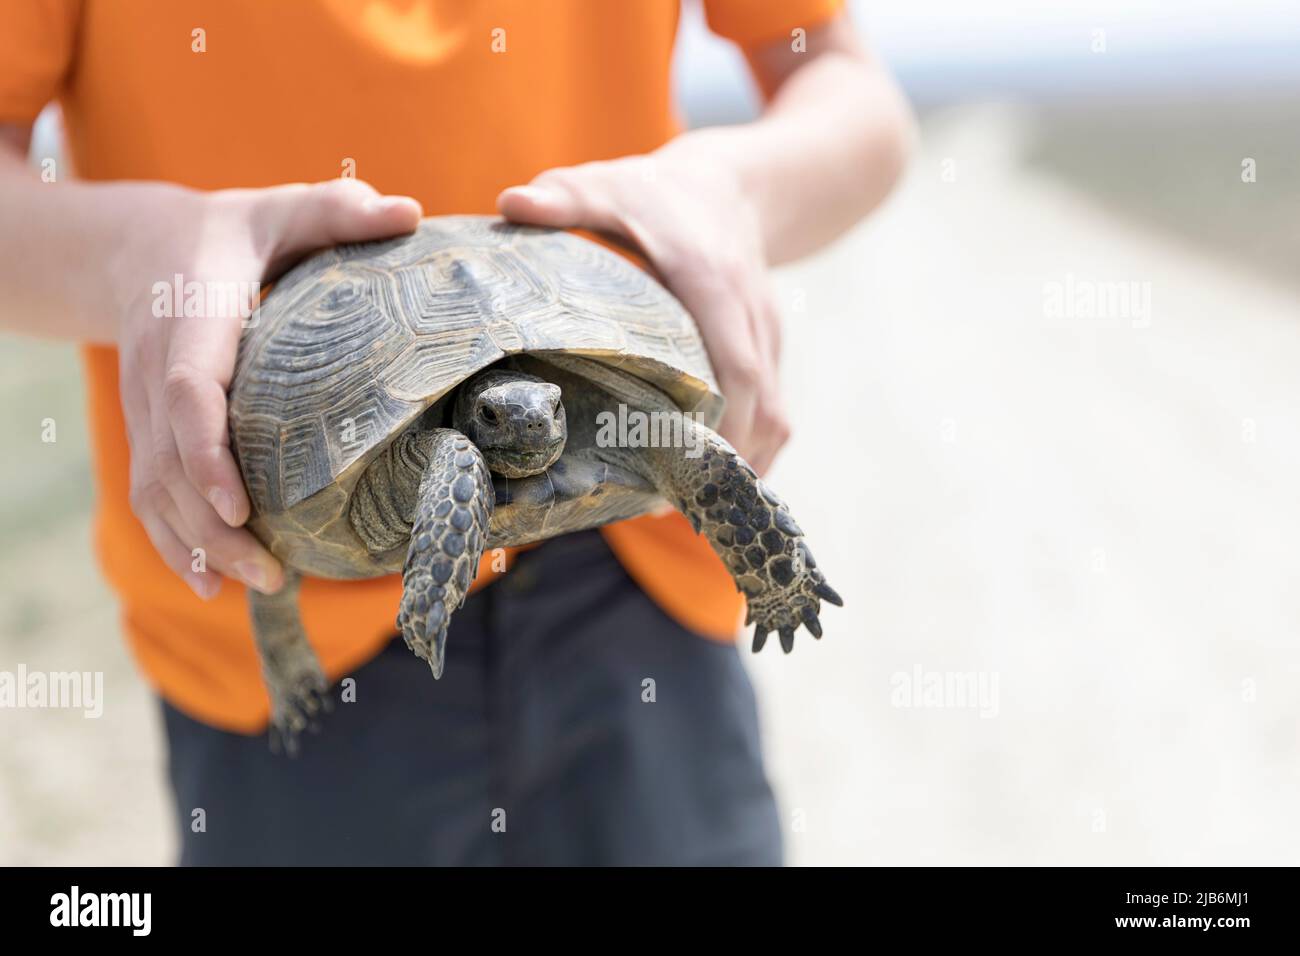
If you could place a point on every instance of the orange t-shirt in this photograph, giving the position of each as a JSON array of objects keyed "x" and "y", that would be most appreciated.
[{"x": 446, "y": 101}]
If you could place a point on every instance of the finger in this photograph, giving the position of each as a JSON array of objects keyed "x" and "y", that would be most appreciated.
[
  {"x": 767, "y": 319},
  {"x": 765, "y": 455},
  {"x": 199, "y": 365},
  {"x": 762, "y": 437},
  {"x": 762, "y": 460},
  {"x": 539, "y": 206},
  {"x": 175, "y": 554},
  {"x": 293, "y": 220},
  {"x": 150, "y": 501},
  {"x": 585, "y": 197},
  {"x": 187, "y": 391},
  {"x": 574, "y": 197},
  {"x": 769, "y": 429},
  {"x": 738, "y": 416},
  {"x": 232, "y": 551},
  {"x": 728, "y": 339}
]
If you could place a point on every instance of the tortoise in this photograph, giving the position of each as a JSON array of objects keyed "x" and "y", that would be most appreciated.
[{"x": 402, "y": 405}]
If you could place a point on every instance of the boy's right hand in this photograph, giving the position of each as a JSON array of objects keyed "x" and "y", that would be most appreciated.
[{"x": 174, "y": 372}]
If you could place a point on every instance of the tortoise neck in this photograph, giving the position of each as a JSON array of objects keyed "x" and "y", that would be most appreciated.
[{"x": 383, "y": 503}]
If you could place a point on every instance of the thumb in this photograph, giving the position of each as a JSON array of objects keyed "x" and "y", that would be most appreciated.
[
  {"x": 301, "y": 218},
  {"x": 563, "y": 199},
  {"x": 540, "y": 206}
]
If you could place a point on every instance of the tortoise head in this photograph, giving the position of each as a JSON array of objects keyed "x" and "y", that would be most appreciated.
[{"x": 515, "y": 419}]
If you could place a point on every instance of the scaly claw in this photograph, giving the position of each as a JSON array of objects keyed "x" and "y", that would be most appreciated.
[
  {"x": 827, "y": 593},
  {"x": 811, "y": 621}
]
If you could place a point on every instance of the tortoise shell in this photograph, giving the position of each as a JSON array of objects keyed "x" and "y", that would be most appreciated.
[{"x": 354, "y": 343}]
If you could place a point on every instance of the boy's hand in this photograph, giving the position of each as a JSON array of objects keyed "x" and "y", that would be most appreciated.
[
  {"x": 185, "y": 486},
  {"x": 699, "y": 231}
]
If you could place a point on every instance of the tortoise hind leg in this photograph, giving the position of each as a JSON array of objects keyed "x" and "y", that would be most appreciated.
[
  {"x": 293, "y": 674},
  {"x": 448, "y": 533},
  {"x": 749, "y": 527}
]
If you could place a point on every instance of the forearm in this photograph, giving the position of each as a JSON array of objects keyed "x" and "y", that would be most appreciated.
[
  {"x": 58, "y": 246},
  {"x": 827, "y": 150}
]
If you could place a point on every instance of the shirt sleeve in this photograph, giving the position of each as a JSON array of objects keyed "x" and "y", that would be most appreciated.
[
  {"x": 37, "y": 40},
  {"x": 755, "y": 22}
]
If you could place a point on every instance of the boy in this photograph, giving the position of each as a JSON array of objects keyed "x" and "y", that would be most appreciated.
[{"x": 184, "y": 120}]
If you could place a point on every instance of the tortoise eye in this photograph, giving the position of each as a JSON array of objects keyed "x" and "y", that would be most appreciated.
[{"x": 488, "y": 414}]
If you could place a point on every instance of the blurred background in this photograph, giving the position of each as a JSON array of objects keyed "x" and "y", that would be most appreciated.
[{"x": 1047, "y": 444}]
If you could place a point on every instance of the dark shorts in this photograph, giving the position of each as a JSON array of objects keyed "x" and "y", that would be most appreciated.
[{"x": 536, "y": 747}]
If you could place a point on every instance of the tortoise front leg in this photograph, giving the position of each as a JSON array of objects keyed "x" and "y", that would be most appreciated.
[
  {"x": 292, "y": 673},
  {"x": 749, "y": 527},
  {"x": 448, "y": 532}
]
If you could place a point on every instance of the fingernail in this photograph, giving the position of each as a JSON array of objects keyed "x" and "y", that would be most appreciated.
[
  {"x": 253, "y": 574},
  {"x": 382, "y": 204},
  {"x": 224, "y": 503},
  {"x": 534, "y": 194},
  {"x": 204, "y": 585}
]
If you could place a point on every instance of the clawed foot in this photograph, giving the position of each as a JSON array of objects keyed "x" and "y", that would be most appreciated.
[
  {"x": 292, "y": 673},
  {"x": 299, "y": 694},
  {"x": 423, "y": 626},
  {"x": 753, "y": 532},
  {"x": 782, "y": 607}
]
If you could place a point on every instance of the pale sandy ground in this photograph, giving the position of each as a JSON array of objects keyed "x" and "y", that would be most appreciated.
[
  {"x": 1100, "y": 517},
  {"x": 1071, "y": 507}
]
